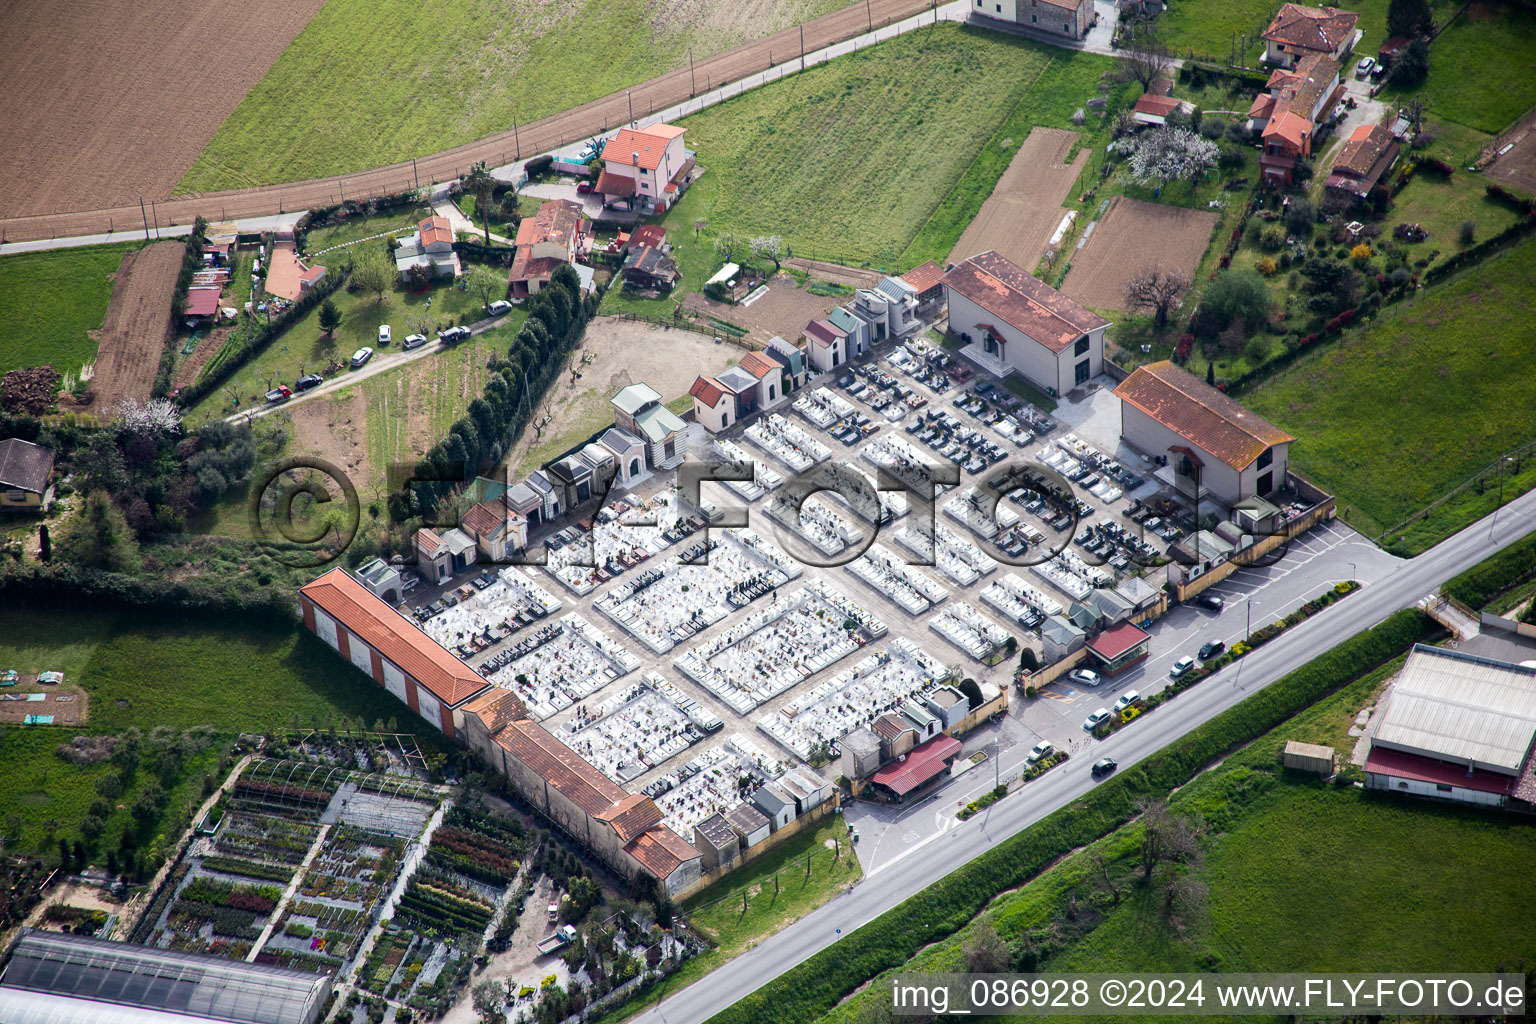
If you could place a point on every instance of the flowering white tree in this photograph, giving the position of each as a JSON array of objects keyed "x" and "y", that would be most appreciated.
[
  {"x": 157, "y": 417},
  {"x": 769, "y": 247},
  {"x": 1171, "y": 154}
]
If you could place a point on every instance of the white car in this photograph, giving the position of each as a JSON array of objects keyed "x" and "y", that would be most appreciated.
[
  {"x": 1364, "y": 67},
  {"x": 1094, "y": 720},
  {"x": 500, "y": 307},
  {"x": 1086, "y": 676},
  {"x": 383, "y": 334},
  {"x": 1127, "y": 698},
  {"x": 1040, "y": 751},
  {"x": 361, "y": 356},
  {"x": 1183, "y": 667},
  {"x": 413, "y": 341}
]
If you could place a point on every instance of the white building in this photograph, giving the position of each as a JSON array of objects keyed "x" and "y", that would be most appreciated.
[
  {"x": 637, "y": 409},
  {"x": 1012, "y": 322}
]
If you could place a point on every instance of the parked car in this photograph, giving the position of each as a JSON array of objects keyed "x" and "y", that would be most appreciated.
[
  {"x": 1103, "y": 766},
  {"x": 413, "y": 341},
  {"x": 500, "y": 307},
  {"x": 453, "y": 335},
  {"x": 1364, "y": 67},
  {"x": 1211, "y": 601},
  {"x": 361, "y": 356},
  {"x": 1128, "y": 698},
  {"x": 1040, "y": 751},
  {"x": 279, "y": 394},
  {"x": 585, "y": 188},
  {"x": 1211, "y": 649},
  {"x": 1183, "y": 667},
  {"x": 383, "y": 334},
  {"x": 1086, "y": 676},
  {"x": 309, "y": 380},
  {"x": 1094, "y": 720}
]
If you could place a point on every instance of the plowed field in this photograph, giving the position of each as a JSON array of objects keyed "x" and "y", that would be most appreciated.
[
  {"x": 137, "y": 321},
  {"x": 1025, "y": 207},
  {"x": 103, "y": 101},
  {"x": 1131, "y": 236}
]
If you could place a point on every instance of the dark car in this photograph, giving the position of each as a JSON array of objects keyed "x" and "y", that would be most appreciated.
[
  {"x": 453, "y": 335},
  {"x": 1210, "y": 650},
  {"x": 1103, "y": 766},
  {"x": 309, "y": 380},
  {"x": 1211, "y": 601}
]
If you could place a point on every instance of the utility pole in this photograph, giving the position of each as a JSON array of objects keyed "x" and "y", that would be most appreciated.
[
  {"x": 145, "y": 214},
  {"x": 156, "y": 214},
  {"x": 869, "y": 13},
  {"x": 630, "y": 96},
  {"x": 802, "y": 47},
  {"x": 693, "y": 84},
  {"x": 1248, "y": 607},
  {"x": 516, "y": 142},
  {"x": 416, "y": 173}
]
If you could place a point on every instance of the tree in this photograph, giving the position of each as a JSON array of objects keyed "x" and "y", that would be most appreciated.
[
  {"x": 99, "y": 464},
  {"x": 418, "y": 278},
  {"x": 373, "y": 272},
  {"x": 769, "y": 247},
  {"x": 158, "y": 418},
  {"x": 330, "y": 318},
  {"x": 1300, "y": 216},
  {"x": 1146, "y": 59},
  {"x": 1158, "y": 290},
  {"x": 44, "y": 544},
  {"x": 972, "y": 693},
  {"x": 985, "y": 951},
  {"x": 1164, "y": 837},
  {"x": 1334, "y": 285},
  {"x": 486, "y": 284},
  {"x": 98, "y": 537},
  {"x": 1171, "y": 154},
  {"x": 490, "y": 1001},
  {"x": 1236, "y": 296},
  {"x": 1210, "y": 374},
  {"x": 1412, "y": 65},
  {"x": 727, "y": 245},
  {"x": 1029, "y": 661},
  {"x": 479, "y": 183},
  {"x": 1409, "y": 18}
]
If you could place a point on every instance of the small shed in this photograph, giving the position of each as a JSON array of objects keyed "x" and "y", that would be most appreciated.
[
  {"x": 749, "y": 824},
  {"x": 1309, "y": 757},
  {"x": 717, "y": 841}
]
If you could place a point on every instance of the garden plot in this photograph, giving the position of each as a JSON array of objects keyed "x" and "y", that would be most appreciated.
[
  {"x": 956, "y": 557},
  {"x": 764, "y": 477},
  {"x": 711, "y": 782},
  {"x": 1072, "y": 576},
  {"x": 969, "y": 630},
  {"x": 514, "y": 602},
  {"x": 625, "y": 532},
  {"x": 1019, "y": 601},
  {"x": 1116, "y": 251},
  {"x": 777, "y": 648},
  {"x": 1024, "y": 208},
  {"x": 824, "y": 408},
  {"x": 814, "y": 523},
  {"x": 879, "y": 683},
  {"x": 789, "y": 443},
  {"x": 665, "y": 605},
  {"x": 562, "y": 663},
  {"x": 635, "y": 730},
  {"x": 889, "y": 574}
]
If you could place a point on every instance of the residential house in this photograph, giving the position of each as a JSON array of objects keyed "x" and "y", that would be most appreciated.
[
  {"x": 646, "y": 168},
  {"x": 499, "y": 531},
  {"x": 649, "y": 269},
  {"x": 1299, "y": 31},
  {"x": 638, "y": 410},
  {"x": 1288, "y": 114},
  {"x": 749, "y": 824},
  {"x": 927, "y": 280},
  {"x": 1069, "y": 18},
  {"x": 717, "y": 841},
  {"x": 1365, "y": 159},
  {"x": 1214, "y": 444},
  {"x": 431, "y": 246},
  {"x": 556, "y": 234},
  {"x": 1012, "y": 322},
  {"x": 777, "y": 806},
  {"x": 26, "y": 475},
  {"x": 825, "y": 344}
]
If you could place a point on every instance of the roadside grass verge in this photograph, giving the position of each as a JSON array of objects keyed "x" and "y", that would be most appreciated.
[
  {"x": 51, "y": 299},
  {"x": 1410, "y": 405}
]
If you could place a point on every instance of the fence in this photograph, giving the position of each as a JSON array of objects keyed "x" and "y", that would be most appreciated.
[
  {"x": 1494, "y": 468},
  {"x": 683, "y": 325},
  {"x": 1254, "y": 554}
]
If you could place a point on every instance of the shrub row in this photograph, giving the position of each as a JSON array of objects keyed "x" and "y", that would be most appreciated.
[
  {"x": 237, "y": 924},
  {"x": 1492, "y": 576},
  {"x": 248, "y": 868},
  {"x": 1482, "y": 250},
  {"x": 808, "y": 990},
  {"x": 1044, "y": 765},
  {"x": 191, "y": 263},
  {"x": 1500, "y": 194},
  {"x": 982, "y": 802}
]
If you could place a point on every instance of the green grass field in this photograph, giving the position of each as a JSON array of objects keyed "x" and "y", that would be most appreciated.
[
  {"x": 1409, "y": 406},
  {"x": 51, "y": 300},
  {"x": 163, "y": 673},
  {"x": 415, "y": 79},
  {"x": 1482, "y": 68},
  {"x": 1208, "y": 27}
]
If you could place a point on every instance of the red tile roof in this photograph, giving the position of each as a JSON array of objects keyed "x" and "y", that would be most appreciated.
[
  {"x": 394, "y": 636},
  {"x": 202, "y": 301},
  {"x": 1116, "y": 640},
  {"x": 661, "y": 851},
  {"x": 528, "y": 268},
  {"x": 1160, "y": 106},
  {"x": 1205, "y": 417},
  {"x": 824, "y": 332},
  {"x": 560, "y": 766},
  {"x": 640, "y": 148},
  {"x": 435, "y": 229},
  {"x": 1368, "y": 144},
  {"x": 889, "y": 726},
  {"x": 1311, "y": 28},
  {"x": 1022, "y": 301},
  {"x": 922, "y": 763},
  {"x": 631, "y": 816},
  {"x": 427, "y": 542},
  {"x": 1400, "y": 764},
  {"x": 708, "y": 391},
  {"x": 758, "y": 365},
  {"x": 610, "y": 184},
  {"x": 924, "y": 277},
  {"x": 558, "y": 221},
  {"x": 497, "y": 709},
  {"x": 487, "y": 517},
  {"x": 1291, "y": 127},
  {"x": 652, "y": 236}
]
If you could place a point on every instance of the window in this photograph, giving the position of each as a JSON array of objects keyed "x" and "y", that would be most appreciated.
[
  {"x": 1266, "y": 458},
  {"x": 770, "y": 392},
  {"x": 669, "y": 449},
  {"x": 999, "y": 8},
  {"x": 1032, "y": 18},
  {"x": 1266, "y": 483},
  {"x": 725, "y": 419},
  {"x": 1065, "y": 27},
  {"x": 1081, "y": 349},
  {"x": 1441, "y": 787}
]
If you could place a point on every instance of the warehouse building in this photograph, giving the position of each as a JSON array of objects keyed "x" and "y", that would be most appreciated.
[
  {"x": 53, "y": 978},
  {"x": 1456, "y": 726}
]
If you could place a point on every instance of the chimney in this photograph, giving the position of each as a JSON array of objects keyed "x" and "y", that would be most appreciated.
[{"x": 635, "y": 158}]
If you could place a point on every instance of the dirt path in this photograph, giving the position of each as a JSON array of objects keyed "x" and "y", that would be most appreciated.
[
  {"x": 138, "y": 318},
  {"x": 543, "y": 135},
  {"x": 783, "y": 310},
  {"x": 1024, "y": 208}
]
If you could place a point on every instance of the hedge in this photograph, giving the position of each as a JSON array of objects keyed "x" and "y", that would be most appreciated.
[
  {"x": 69, "y": 586},
  {"x": 1517, "y": 202},
  {"x": 814, "y": 986},
  {"x": 1492, "y": 576},
  {"x": 191, "y": 263}
]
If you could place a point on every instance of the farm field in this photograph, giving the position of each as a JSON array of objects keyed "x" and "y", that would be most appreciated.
[
  {"x": 103, "y": 104},
  {"x": 1407, "y": 407},
  {"x": 1119, "y": 249},
  {"x": 167, "y": 673},
  {"x": 1018, "y": 218},
  {"x": 53, "y": 302},
  {"x": 1482, "y": 68},
  {"x": 138, "y": 319},
  {"x": 406, "y": 99}
]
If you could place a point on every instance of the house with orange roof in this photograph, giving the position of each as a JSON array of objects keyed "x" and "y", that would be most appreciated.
[
  {"x": 1011, "y": 322},
  {"x": 431, "y": 246},
  {"x": 1365, "y": 159},
  {"x": 646, "y": 169},
  {"x": 1298, "y": 31},
  {"x": 557, "y": 234},
  {"x": 1288, "y": 114}
]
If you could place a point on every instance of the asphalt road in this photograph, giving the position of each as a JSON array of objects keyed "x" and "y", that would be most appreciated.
[{"x": 1412, "y": 580}]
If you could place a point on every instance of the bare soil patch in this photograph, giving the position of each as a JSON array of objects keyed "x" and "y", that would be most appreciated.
[
  {"x": 107, "y": 101},
  {"x": 1023, "y": 210},
  {"x": 138, "y": 319},
  {"x": 66, "y": 702},
  {"x": 1132, "y": 235},
  {"x": 335, "y": 429},
  {"x": 783, "y": 311},
  {"x": 1517, "y": 168},
  {"x": 188, "y": 369}
]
